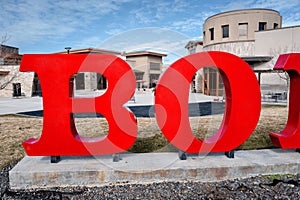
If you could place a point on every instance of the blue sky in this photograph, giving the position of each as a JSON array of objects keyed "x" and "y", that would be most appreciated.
[{"x": 46, "y": 26}]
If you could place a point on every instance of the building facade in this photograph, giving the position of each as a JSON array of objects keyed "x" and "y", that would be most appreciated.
[
  {"x": 90, "y": 81},
  {"x": 12, "y": 82},
  {"x": 234, "y": 31},
  {"x": 147, "y": 67},
  {"x": 255, "y": 35}
]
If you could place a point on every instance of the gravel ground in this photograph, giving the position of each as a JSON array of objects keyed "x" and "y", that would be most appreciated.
[{"x": 284, "y": 187}]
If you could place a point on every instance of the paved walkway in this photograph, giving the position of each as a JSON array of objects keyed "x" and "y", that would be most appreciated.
[
  {"x": 16, "y": 105},
  {"x": 25, "y": 104}
]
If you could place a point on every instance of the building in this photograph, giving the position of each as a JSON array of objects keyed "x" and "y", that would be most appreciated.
[
  {"x": 255, "y": 35},
  {"x": 234, "y": 31},
  {"x": 90, "y": 81},
  {"x": 12, "y": 82},
  {"x": 147, "y": 67},
  {"x": 9, "y": 55},
  {"x": 194, "y": 46}
]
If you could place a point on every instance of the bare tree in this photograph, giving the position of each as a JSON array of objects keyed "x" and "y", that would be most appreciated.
[
  {"x": 283, "y": 75},
  {"x": 6, "y": 80},
  {"x": 4, "y": 39}
]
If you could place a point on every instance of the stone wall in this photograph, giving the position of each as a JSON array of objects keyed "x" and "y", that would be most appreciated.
[
  {"x": 15, "y": 76},
  {"x": 245, "y": 48}
]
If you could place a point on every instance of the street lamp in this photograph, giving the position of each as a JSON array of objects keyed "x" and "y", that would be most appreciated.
[{"x": 68, "y": 49}]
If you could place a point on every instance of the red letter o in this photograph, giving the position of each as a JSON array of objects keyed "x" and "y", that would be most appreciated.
[{"x": 242, "y": 102}]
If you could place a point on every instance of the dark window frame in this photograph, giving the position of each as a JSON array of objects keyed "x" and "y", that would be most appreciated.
[
  {"x": 212, "y": 33},
  {"x": 225, "y": 31},
  {"x": 262, "y": 26},
  {"x": 155, "y": 66}
]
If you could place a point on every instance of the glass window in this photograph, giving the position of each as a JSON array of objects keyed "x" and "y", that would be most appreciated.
[
  {"x": 212, "y": 34},
  {"x": 154, "y": 66},
  {"x": 153, "y": 80},
  {"x": 243, "y": 29},
  {"x": 139, "y": 75},
  {"x": 262, "y": 26},
  {"x": 225, "y": 30},
  {"x": 79, "y": 81}
]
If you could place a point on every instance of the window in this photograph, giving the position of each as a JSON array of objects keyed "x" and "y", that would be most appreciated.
[
  {"x": 262, "y": 26},
  {"x": 79, "y": 81},
  {"x": 154, "y": 66},
  {"x": 139, "y": 75},
  {"x": 153, "y": 80},
  {"x": 243, "y": 29},
  {"x": 203, "y": 35},
  {"x": 213, "y": 83},
  {"x": 225, "y": 30},
  {"x": 212, "y": 34},
  {"x": 275, "y": 26}
]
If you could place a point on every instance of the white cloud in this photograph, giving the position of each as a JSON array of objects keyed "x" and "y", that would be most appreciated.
[
  {"x": 114, "y": 31},
  {"x": 54, "y": 21},
  {"x": 289, "y": 9},
  {"x": 291, "y": 20},
  {"x": 149, "y": 39},
  {"x": 187, "y": 25},
  {"x": 34, "y": 20},
  {"x": 93, "y": 41},
  {"x": 157, "y": 10},
  {"x": 271, "y": 4}
]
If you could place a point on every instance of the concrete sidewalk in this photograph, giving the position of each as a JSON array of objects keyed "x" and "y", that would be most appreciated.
[
  {"x": 16, "y": 105},
  {"x": 33, "y": 172},
  {"x": 25, "y": 104}
]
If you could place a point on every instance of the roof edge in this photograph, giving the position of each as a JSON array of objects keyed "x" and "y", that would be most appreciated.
[{"x": 232, "y": 11}]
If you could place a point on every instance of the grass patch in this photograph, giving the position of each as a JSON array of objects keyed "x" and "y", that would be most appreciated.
[
  {"x": 16, "y": 129},
  {"x": 149, "y": 144},
  {"x": 272, "y": 177}
]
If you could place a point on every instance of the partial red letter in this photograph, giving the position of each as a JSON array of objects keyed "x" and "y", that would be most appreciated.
[
  {"x": 242, "y": 102},
  {"x": 59, "y": 136},
  {"x": 290, "y": 136}
]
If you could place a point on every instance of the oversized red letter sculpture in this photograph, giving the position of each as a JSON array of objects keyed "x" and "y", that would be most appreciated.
[
  {"x": 242, "y": 102},
  {"x": 290, "y": 136},
  {"x": 59, "y": 136}
]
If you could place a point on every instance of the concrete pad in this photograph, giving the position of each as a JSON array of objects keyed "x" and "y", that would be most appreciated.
[{"x": 33, "y": 172}]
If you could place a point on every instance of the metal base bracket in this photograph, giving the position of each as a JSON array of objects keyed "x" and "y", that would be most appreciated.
[
  {"x": 182, "y": 155},
  {"x": 55, "y": 159},
  {"x": 229, "y": 154},
  {"x": 116, "y": 157}
]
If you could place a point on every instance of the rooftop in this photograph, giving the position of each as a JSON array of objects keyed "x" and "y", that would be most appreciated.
[
  {"x": 90, "y": 50},
  {"x": 145, "y": 53},
  {"x": 245, "y": 10}
]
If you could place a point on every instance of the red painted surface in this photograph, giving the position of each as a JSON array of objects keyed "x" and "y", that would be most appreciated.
[
  {"x": 243, "y": 102},
  {"x": 290, "y": 136},
  {"x": 59, "y": 136}
]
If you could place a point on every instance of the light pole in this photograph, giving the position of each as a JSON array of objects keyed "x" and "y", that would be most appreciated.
[{"x": 68, "y": 49}]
